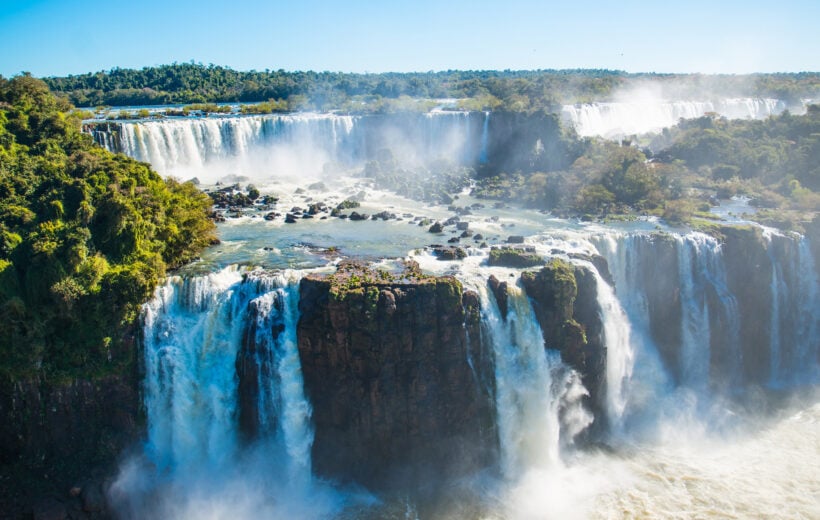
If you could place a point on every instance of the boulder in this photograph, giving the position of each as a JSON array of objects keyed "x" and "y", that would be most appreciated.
[
  {"x": 449, "y": 253},
  {"x": 513, "y": 257}
]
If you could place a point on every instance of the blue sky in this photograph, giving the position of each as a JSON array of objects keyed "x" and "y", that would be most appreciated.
[{"x": 52, "y": 37}]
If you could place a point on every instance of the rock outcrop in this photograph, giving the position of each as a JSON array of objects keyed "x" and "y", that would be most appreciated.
[
  {"x": 514, "y": 257},
  {"x": 564, "y": 298},
  {"x": 400, "y": 386}
]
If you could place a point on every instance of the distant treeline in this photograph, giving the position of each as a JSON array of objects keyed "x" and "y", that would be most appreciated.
[{"x": 497, "y": 90}]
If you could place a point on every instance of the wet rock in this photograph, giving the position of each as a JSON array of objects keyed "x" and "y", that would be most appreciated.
[
  {"x": 384, "y": 215},
  {"x": 436, "y": 228},
  {"x": 271, "y": 216},
  {"x": 515, "y": 239},
  {"x": 384, "y": 358},
  {"x": 290, "y": 218},
  {"x": 316, "y": 208},
  {"x": 564, "y": 298},
  {"x": 358, "y": 216},
  {"x": 449, "y": 253},
  {"x": 348, "y": 204},
  {"x": 514, "y": 257},
  {"x": 499, "y": 290},
  {"x": 462, "y": 226},
  {"x": 600, "y": 264}
]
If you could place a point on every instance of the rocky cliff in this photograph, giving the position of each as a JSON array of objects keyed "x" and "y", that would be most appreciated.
[
  {"x": 565, "y": 300},
  {"x": 60, "y": 440},
  {"x": 393, "y": 366}
]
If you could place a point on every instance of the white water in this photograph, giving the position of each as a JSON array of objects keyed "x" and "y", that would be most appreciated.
[
  {"x": 528, "y": 424},
  {"x": 695, "y": 333},
  {"x": 795, "y": 312},
  {"x": 620, "y": 359},
  {"x": 668, "y": 428},
  {"x": 620, "y": 119},
  {"x": 485, "y": 138},
  {"x": 680, "y": 451},
  {"x": 193, "y": 464},
  {"x": 300, "y": 146}
]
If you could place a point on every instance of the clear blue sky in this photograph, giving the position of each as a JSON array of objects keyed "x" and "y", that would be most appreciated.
[{"x": 58, "y": 37}]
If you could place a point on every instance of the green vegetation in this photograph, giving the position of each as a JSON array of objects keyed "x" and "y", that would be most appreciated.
[
  {"x": 354, "y": 277},
  {"x": 85, "y": 236},
  {"x": 480, "y": 90},
  {"x": 514, "y": 257},
  {"x": 776, "y": 162}
]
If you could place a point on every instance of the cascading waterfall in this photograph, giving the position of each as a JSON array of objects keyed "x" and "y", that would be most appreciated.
[
  {"x": 528, "y": 427},
  {"x": 706, "y": 353},
  {"x": 485, "y": 139},
  {"x": 538, "y": 398},
  {"x": 620, "y": 119},
  {"x": 695, "y": 334},
  {"x": 192, "y": 333},
  {"x": 808, "y": 343},
  {"x": 795, "y": 311},
  {"x": 655, "y": 379},
  {"x": 284, "y": 412},
  {"x": 292, "y": 143},
  {"x": 173, "y": 144},
  {"x": 625, "y": 255},
  {"x": 194, "y": 330},
  {"x": 620, "y": 358}
]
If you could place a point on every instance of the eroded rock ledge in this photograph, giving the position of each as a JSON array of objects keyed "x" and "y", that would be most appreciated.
[{"x": 401, "y": 388}]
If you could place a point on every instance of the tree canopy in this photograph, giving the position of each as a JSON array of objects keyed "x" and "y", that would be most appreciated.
[
  {"x": 85, "y": 236},
  {"x": 514, "y": 90}
]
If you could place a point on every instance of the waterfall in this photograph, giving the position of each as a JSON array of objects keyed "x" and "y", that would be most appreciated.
[
  {"x": 283, "y": 409},
  {"x": 485, "y": 137},
  {"x": 627, "y": 118},
  {"x": 684, "y": 314},
  {"x": 181, "y": 144},
  {"x": 538, "y": 398},
  {"x": 808, "y": 304},
  {"x": 194, "y": 330},
  {"x": 295, "y": 144},
  {"x": 795, "y": 311},
  {"x": 620, "y": 353},
  {"x": 695, "y": 336},
  {"x": 628, "y": 328}
]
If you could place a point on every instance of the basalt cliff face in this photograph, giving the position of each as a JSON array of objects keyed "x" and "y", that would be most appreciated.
[
  {"x": 400, "y": 385},
  {"x": 59, "y": 442}
]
